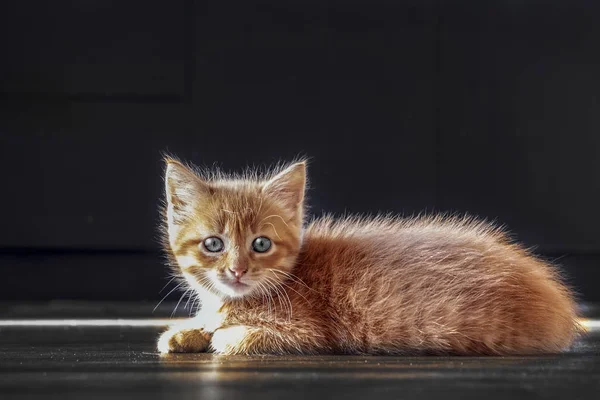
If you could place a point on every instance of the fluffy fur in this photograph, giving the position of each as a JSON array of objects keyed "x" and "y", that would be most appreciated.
[{"x": 384, "y": 285}]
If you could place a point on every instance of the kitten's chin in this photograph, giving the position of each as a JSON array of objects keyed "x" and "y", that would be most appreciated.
[{"x": 234, "y": 289}]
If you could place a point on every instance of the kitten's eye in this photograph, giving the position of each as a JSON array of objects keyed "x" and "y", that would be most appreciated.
[
  {"x": 261, "y": 244},
  {"x": 213, "y": 244}
]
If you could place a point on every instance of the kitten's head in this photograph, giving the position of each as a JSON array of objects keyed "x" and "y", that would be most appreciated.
[{"x": 234, "y": 236}]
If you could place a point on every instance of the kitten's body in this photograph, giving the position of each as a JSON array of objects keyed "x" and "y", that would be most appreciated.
[{"x": 374, "y": 286}]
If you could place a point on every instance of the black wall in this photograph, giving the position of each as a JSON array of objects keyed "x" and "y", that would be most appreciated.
[{"x": 490, "y": 107}]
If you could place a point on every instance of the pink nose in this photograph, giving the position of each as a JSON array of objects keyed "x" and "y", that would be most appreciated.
[{"x": 238, "y": 272}]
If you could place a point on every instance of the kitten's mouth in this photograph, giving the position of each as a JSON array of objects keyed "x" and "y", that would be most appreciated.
[{"x": 236, "y": 284}]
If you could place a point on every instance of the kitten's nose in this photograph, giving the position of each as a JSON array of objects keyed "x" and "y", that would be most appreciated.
[{"x": 238, "y": 271}]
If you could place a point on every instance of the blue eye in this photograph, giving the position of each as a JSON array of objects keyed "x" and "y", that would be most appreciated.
[
  {"x": 213, "y": 244},
  {"x": 261, "y": 244}
]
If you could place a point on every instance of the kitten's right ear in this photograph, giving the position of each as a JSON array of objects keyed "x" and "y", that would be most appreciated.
[
  {"x": 288, "y": 187},
  {"x": 183, "y": 189}
]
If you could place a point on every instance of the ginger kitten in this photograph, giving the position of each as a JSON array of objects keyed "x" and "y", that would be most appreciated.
[{"x": 268, "y": 284}]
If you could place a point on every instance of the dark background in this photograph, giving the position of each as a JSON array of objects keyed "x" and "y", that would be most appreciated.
[{"x": 490, "y": 107}]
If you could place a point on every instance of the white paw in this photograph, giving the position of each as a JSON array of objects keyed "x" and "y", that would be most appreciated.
[{"x": 229, "y": 340}]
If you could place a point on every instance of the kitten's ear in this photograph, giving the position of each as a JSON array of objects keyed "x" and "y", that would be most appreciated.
[
  {"x": 288, "y": 186},
  {"x": 183, "y": 189}
]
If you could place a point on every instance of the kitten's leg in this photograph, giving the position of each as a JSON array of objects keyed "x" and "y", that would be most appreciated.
[
  {"x": 242, "y": 339},
  {"x": 191, "y": 336}
]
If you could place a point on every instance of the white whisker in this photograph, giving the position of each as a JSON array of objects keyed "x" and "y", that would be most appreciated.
[
  {"x": 163, "y": 299},
  {"x": 179, "y": 302},
  {"x": 167, "y": 284},
  {"x": 268, "y": 223},
  {"x": 294, "y": 278},
  {"x": 274, "y": 215},
  {"x": 282, "y": 295}
]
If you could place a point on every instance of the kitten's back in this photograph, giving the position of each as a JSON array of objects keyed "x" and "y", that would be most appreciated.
[{"x": 434, "y": 284}]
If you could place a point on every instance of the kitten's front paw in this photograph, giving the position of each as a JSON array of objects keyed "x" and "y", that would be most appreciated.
[
  {"x": 230, "y": 340},
  {"x": 183, "y": 341}
]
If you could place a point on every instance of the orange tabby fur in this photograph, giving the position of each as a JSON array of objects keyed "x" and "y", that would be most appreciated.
[{"x": 384, "y": 285}]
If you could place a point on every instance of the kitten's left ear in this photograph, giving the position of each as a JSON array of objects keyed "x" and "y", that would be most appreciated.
[
  {"x": 184, "y": 189},
  {"x": 288, "y": 186}
]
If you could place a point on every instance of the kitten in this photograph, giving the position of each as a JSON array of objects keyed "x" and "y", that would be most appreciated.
[{"x": 268, "y": 284}]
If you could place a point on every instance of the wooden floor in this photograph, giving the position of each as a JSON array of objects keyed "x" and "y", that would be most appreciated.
[
  {"x": 48, "y": 351},
  {"x": 65, "y": 361}
]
